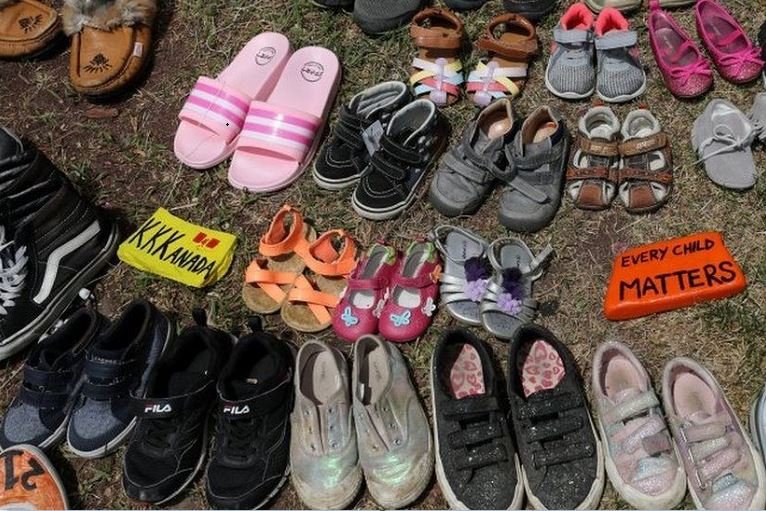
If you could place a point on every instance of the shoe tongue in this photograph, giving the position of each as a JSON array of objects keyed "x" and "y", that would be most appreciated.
[
  {"x": 105, "y": 355},
  {"x": 51, "y": 360},
  {"x": 541, "y": 395},
  {"x": 10, "y": 144},
  {"x": 700, "y": 417},
  {"x": 186, "y": 383}
]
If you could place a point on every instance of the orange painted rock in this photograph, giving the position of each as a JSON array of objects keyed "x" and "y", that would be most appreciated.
[
  {"x": 671, "y": 274},
  {"x": 29, "y": 481}
]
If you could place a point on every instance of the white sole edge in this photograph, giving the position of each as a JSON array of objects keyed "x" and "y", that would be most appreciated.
[{"x": 330, "y": 502}]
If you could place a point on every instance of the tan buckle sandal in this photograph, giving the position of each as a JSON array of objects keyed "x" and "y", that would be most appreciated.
[
  {"x": 646, "y": 170},
  {"x": 437, "y": 70},
  {"x": 511, "y": 43},
  {"x": 27, "y": 28}
]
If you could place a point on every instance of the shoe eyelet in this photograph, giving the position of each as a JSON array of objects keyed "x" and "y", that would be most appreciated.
[
  {"x": 334, "y": 445},
  {"x": 398, "y": 441}
]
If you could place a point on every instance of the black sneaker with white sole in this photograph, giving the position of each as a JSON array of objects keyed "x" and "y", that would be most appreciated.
[
  {"x": 476, "y": 463},
  {"x": 52, "y": 244},
  {"x": 21, "y": 166},
  {"x": 356, "y": 134},
  {"x": 39, "y": 413},
  {"x": 251, "y": 459},
  {"x": 414, "y": 140},
  {"x": 168, "y": 447},
  {"x": 117, "y": 365}
]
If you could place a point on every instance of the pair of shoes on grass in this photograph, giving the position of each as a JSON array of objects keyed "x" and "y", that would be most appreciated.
[{"x": 111, "y": 40}]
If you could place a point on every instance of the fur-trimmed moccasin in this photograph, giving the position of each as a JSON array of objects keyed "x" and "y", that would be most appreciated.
[
  {"x": 27, "y": 28},
  {"x": 111, "y": 43}
]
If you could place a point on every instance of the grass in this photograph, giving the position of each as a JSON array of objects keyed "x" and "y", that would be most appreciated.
[{"x": 127, "y": 164}]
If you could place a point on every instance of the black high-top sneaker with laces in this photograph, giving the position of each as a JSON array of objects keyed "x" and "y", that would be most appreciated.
[
  {"x": 117, "y": 365},
  {"x": 39, "y": 413},
  {"x": 416, "y": 136},
  {"x": 171, "y": 438},
  {"x": 52, "y": 244},
  {"x": 251, "y": 458},
  {"x": 357, "y": 133},
  {"x": 476, "y": 462},
  {"x": 21, "y": 167},
  {"x": 561, "y": 457}
]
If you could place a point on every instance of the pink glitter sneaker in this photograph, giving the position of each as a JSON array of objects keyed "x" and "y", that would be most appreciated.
[
  {"x": 734, "y": 54},
  {"x": 686, "y": 72}
]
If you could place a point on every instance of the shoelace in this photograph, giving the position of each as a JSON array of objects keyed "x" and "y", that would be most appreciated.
[
  {"x": 711, "y": 452},
  {"x": 158, "y": 432},
  {"x": 239, "y": 434},
  {"x": 724, "y": 134},
  {"x": 13, "y": 272}
]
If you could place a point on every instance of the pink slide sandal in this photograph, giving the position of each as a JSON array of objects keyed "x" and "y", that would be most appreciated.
[
  {"x": 215, "y": 111},
  {"x": 280, "y": 135}
]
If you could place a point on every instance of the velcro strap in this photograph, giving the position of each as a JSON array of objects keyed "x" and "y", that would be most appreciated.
[
  {"x": 569, "y": 452},
  {"x": 162, "y": 407},
  {"x": 643, "y": 145},
  {"x": 466, "y": 170},
  {"x": 635, "y": 174},
  {"x": 550, "y": 406},
  {"x": 471, "y": 406},
  {"x": 617, "y": 39},
  {"x": 47, "y": 400},
  {"x": 572, "y": 36},
  {"x": 656, "y": 444},
  {"x": 449, "y": 37},
  {"x": 400, "y": 151},
  {"x": 37, "y": 378},
  {"x": 631, "y": 407},
  {"x": 259, "y": 405},
  {"x": 522, "y": 51},
  {"x": 598, "y": 147},
  {"x": 362, "y": 284},
  {"x": 475, "y": 435},
  {"x": 700, "y": 433},
  {"x": 554, "y": 428},
  {"x": 419, "y": 282},
  {"x": 579, "y": 174},
  {"x": 103, "y": 392},
  {"x": 107, "y": 370}
]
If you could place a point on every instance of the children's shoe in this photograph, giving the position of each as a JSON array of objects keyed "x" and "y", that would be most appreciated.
[
  {"x": 413, "y": 142},
  {"x": 533, "y": 193},
  {"x": 571, "y": 70},
  {"x": 508, "y": 302},
  {"x": 510, "y": 41},
  {"x": 375, "y": 18},
  {"x": 561, "y": 457},
  {"x": 412, "y": 295},
  {"x": 640, "y": 459},
  {"x": 39, "y": 413},
  {"x": 355, "y": 136},
  {"x": 533, "y": 10},
  {"x": 592, "y": 175},
  {"x": 171, "y": 439},
  {"x": 758, "y": 116},
  {"x": 116, "y": 369},
  {"x": 620, "y": 76},
  {"x": 684, "y": 69},
  {"x": 723, "y": 469},
  {"x": 646, "y": 167},
  {"x": 31, "y": 480},
  {"x": 360, "y": 308},
  {"x": 476, "y": 462},
  {"x": 735, "y": 56},
  {"x": 467, "y": 172},
  {"x": 250, "y": 460},
  {"x": 392, "y": 429},
  {"x": 464, "y": 5},
  {"x": 722, "y": 136},
  {"x": 324, "y": 459},
  {"x": 437, "y": 70},
  {"x": 466, "y": 274}
]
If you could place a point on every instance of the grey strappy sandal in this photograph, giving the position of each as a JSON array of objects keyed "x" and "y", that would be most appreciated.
[
  {"x": 466, "y": 273},
  {"x": 508, "y": 302}
]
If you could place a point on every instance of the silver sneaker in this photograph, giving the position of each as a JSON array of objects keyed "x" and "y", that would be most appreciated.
[
  {"x": 323, "y": 455},
  {"x": 393, "y": 433}
]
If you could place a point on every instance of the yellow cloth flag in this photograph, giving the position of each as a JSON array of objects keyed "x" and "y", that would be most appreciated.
[{"x": 170, "y": 247}]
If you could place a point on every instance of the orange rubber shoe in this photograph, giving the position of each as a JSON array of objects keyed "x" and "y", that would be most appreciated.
[{"x": 30, "y": 481}]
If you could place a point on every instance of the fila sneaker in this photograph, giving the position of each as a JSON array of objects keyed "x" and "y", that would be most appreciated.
[
  {"x": 118, "y": 364},
  {"x": 170, "y": 440},
  {"x": 251, "y": 458},
  {"x": 39, "y": 413},
  {"x": 52, "y": 244}
]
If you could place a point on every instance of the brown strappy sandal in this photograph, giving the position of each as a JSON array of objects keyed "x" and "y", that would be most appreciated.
[
  {"x": 27, "y": 28},
  {"x": 646, "y": 170},
  {"x": 511, "y": 42},
  {"x": 437, "y": 70}
]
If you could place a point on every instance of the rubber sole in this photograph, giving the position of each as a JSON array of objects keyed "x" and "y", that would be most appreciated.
[
  {"x": 225, "y": 505},
  {"x": 566, "y": 95},
  {"x": 107, "y": 449},
  {"x": 316, "y": 499},
  {"x": 334, "y": 185},
  {"x": 59, "y": 304},
  {"x": 625, "y": 97}
]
